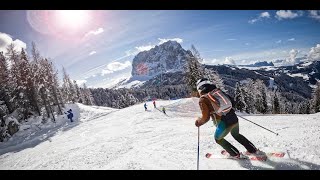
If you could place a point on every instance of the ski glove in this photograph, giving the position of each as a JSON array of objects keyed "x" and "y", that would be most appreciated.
[{"x": 198, "y": 122}]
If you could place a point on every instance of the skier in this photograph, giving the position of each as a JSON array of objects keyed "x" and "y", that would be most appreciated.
[
  {"x": 164, "y": 110},
  {"x": 145, "y": 106},
  {"x": 70, "y": 115},
  {"x": 224, "y": 123},
  {"x": 154, "y": 104}
]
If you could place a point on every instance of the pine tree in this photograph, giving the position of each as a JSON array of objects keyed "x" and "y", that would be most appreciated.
[
  {"x": 14, "y": 90},
  {"x": 43, "y": 88},
  {"x": 260, "y": 96},
  {"x": 195, "y": 71},
  {"x": 248, "y": 95},
  {"x": 22, "y": 77},
  {"x": 239, "y": 99},
  {"x": 68, "y": 88},
  {"x": 276, "y": 104},
  {"x": 79, "y": 95},
  {"x": 5, "y": 94},
  {"x": 214, "y": 77},
  {"x": 316, "y": 98},
  {"x": 88, "y": 98}
]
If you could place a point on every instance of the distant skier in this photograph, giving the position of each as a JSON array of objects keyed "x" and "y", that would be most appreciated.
[
  {"x": 154, "y": 104},
  {"x": 145, "y": 106},
  {"x": 164, "y": 110},
  {"x": 70, "y": 115},
  {"x": 225, "y": 123}
]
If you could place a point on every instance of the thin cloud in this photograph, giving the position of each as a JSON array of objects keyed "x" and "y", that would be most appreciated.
[
  {"x": 105, "y": 71},
  {"x": 138, "y": 49},
  {"x": 315, "y": 14},
  {"x": 92, "y": 53},
  {"x": 144, "y": 48},
  {"x": 231, "y": 39},
  {"x": 94, "y": 32},
  {"x": 178, "y": 40},
  {"x": 261, "y": 16},
  {"x": 279, "y": 41},
  {"x": 291, "y": 39},
  {"x": 283, "y": 14},
  {"x": 115, "y": 66}
]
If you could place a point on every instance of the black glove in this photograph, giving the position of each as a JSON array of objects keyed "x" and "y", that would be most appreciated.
[{"x": 198, "y": 123}]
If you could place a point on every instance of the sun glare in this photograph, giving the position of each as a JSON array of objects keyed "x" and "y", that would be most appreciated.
[{"x": 72, "y": 18}]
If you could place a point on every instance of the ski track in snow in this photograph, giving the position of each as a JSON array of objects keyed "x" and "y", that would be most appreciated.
[{"x": 132, "y": 138}]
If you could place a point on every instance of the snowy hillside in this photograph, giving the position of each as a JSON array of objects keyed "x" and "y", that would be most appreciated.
[{"x": 131, "y": 138}]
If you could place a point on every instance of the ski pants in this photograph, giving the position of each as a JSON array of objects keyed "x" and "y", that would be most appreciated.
[{"x": 222, "y": 130}]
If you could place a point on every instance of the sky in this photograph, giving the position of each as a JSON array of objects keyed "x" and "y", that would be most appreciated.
[{"x": 97, "y": 47}]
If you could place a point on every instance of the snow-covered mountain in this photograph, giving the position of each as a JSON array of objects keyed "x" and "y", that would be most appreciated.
[
  {"x": 132, "y": 138},
  {"x": 168, "y": 57},
  {"x": 164, "y": 66}
]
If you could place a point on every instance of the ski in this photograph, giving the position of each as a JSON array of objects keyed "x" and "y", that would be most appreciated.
[
  {"x": 248, "y": 156},
  {"x": 269, "y": 154},
  {"x": 254, "y": 158}
]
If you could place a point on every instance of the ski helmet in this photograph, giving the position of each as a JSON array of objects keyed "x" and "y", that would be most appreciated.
[{"x": 204, "y": 85}]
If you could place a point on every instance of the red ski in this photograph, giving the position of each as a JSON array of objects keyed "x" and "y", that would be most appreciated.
[
  {"x": 226, "y": 155},
  {"x": 255, "y": 157}
]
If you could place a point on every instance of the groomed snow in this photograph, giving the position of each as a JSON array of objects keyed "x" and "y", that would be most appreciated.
[{"x": 132, "y": 138}]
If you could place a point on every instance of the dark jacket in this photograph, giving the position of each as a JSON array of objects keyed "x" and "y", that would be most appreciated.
[{"x": 70, "y": 115}]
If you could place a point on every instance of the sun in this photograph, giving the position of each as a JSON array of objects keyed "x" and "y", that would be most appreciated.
[{"x": 71, "y": 19}]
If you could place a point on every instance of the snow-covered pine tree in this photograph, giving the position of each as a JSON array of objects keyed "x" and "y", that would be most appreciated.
[
  {"x": 88, "y": 98},
  {"x": 260, "y": 96},
  {"x": 239, "y": 99},
  {"x": 214, "y": 77},
  {"x": 68, "y": 88},
  {"x": 43, "y": 88},
  {"x": 52, "y": 87},
  {"x": 79, "y": 96},
  {"x": 22, "y": 77},
  {"x": 194, "y": 70},
  {"x": 57, "y": 93},
  {"x": 5, "y": 94},
  {"x": 316, "y": 98},
  {"x": 35, "y": 78},
  {"x": 276, "y": 104},
  {"x": 248, "y": 95},
  {"x": 13, "y": 58}
]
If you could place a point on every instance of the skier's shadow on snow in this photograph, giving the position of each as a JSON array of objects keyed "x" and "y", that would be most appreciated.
[
  {"x": 282, "y": 164},
  {"x": 33, "y": 139}
]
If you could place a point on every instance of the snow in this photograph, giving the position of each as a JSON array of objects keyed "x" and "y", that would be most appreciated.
[
  {"x": 307, "y": 63},
  {"x": 272, "y": 83},
  {"x": 304, "y": 76},
  {"x": 132, "y": 138},
  {"x": 266, "y": 68},
  {"x": 131, "y": 84}
]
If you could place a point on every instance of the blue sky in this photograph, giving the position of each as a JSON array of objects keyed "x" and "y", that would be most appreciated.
[{"x": 97, "y": 47}]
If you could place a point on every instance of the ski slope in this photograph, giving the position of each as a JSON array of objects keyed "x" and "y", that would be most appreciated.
[{"x": 132, "y": 138}]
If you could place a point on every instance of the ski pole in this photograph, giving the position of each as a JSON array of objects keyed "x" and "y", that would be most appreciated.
[
  {"x": 258, "y": 125},
  {"x": 198, "y": 148}
]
